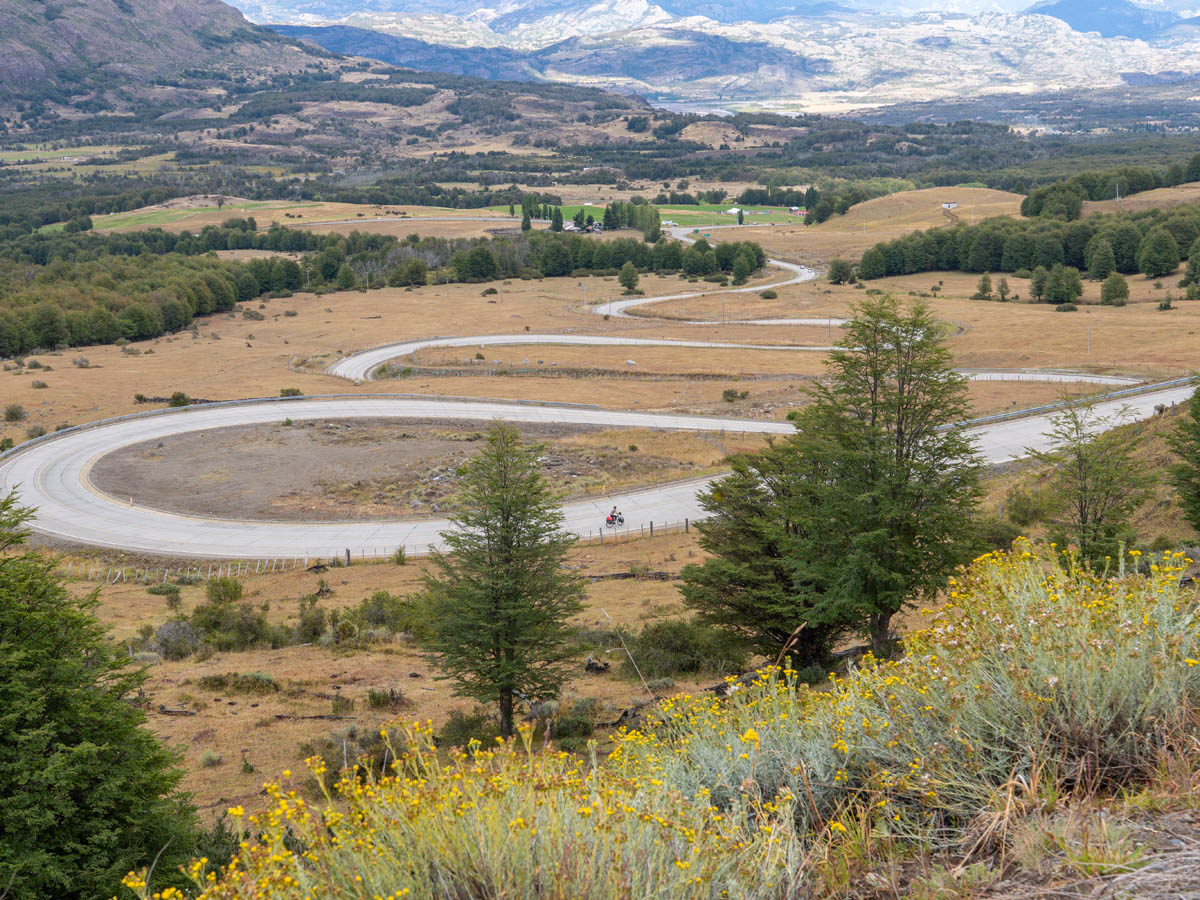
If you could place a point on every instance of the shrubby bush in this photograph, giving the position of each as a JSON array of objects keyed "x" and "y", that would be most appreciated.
[
  {"x": 1034, "y": 670},
  {"x": 464, "y": 727},
  {"x": 177, "y": 639},
  {"x": 673, "y": 648}
]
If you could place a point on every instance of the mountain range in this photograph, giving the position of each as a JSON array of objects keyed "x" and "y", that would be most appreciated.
[
  {"x": 773, "y": 55},
  {"x": 90, "y": 45}
]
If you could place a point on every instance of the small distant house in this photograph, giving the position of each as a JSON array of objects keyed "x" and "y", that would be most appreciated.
[
  {"x": 570, "y": 226},
  {"x": 950, "y": 204},
  {"x": 732, "y": 211},
  {"x": 797, "y": 211}
]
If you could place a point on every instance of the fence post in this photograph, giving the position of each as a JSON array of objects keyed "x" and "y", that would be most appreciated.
[
  {"x": 686, "y": 526},
  {"x": 651, "y": 528},
  {"x": 347, "y": 556}
]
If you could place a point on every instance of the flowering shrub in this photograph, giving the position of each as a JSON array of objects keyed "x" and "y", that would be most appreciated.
[
  {"x": 509, "y": 821},
  {"x": 1033, "y": 673}
]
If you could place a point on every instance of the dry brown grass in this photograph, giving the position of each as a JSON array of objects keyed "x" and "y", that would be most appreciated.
[
  {"x": 428, "y": 226},
  {"x": 315, "y": 675},
  {"x": 193, "y": 214},
  {"x": 252, "y": 358},
  {"x": 1137, "y": 339},
  {"x": 882, "y": 219},
  {"x": 1162, "y": 198}
]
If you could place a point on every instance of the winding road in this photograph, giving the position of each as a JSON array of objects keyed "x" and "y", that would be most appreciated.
[{"x": 53, "y": 473}]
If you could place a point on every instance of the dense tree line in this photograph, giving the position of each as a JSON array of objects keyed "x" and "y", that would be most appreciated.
[
  {"x": 533, "y": 254},
  {"x": 1152, "y": 242},
  {"x": 81, "y": 288},
  {"x": 21, "y": 215},
  {"x": 1064, "y": 200}
]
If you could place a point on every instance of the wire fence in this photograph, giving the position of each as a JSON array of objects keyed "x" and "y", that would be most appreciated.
[{"x": 197, "y": 572}]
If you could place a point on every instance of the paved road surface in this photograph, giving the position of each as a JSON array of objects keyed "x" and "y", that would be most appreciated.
[
  {"x": 53, "y": 475},
  {"x": 361, "y": 366}
]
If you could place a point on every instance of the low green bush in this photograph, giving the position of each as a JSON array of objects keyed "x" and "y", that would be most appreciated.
[
  {"x": 392, "y": 698},
  {"x": 678, "y": 647},
  {"x": 228, "y": 624},
  {"x": 1023, "y": 507},
  {"x": 464, "y": 727},
  {"x": 258, "y": 683}
]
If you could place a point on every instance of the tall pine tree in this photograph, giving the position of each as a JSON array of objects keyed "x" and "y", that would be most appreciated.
[{"x": 500, "y": 597}]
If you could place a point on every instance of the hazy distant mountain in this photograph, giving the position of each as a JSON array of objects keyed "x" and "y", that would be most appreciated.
[
  {"x": 833, "y": 62},
  {"x": 1110, "y": 18},
  {"x": 496, "y": 63}
]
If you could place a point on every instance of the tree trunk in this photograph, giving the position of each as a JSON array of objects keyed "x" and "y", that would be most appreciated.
[
  {"x": 506, "y": 712},
  {"x": 881, "y": 641}
]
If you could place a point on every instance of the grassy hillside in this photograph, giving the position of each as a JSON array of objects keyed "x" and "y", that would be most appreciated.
[
  {"x": 994, "y": 752},
  {"x": 1019, "y": 493}
]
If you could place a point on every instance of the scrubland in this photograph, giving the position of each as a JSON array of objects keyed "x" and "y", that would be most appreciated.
[{"x": 1031, "y": 737}]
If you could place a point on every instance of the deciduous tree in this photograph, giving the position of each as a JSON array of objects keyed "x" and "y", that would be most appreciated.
[
  {"x": 1115, "y": 290},
  {"x": 1102, "y": 262},
  {"x": 628, "y": 277},
  {"x": 1096, "y": 480},
  {"x": 840, "y": 271},
  {"x": 866, "y": 509},
  {"x": 1158, "y": 254}
]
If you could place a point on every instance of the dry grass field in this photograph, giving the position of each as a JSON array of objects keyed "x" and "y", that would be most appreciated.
[
  {"x": 231, "y": 357},
  {"x": 229, "y": 724},
  {"x": 193, "y": 213},
  {"x": 883, "y": 219},
  {"x": 1162, "y": 198},
  {"x": 1136, "y": 339}
]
